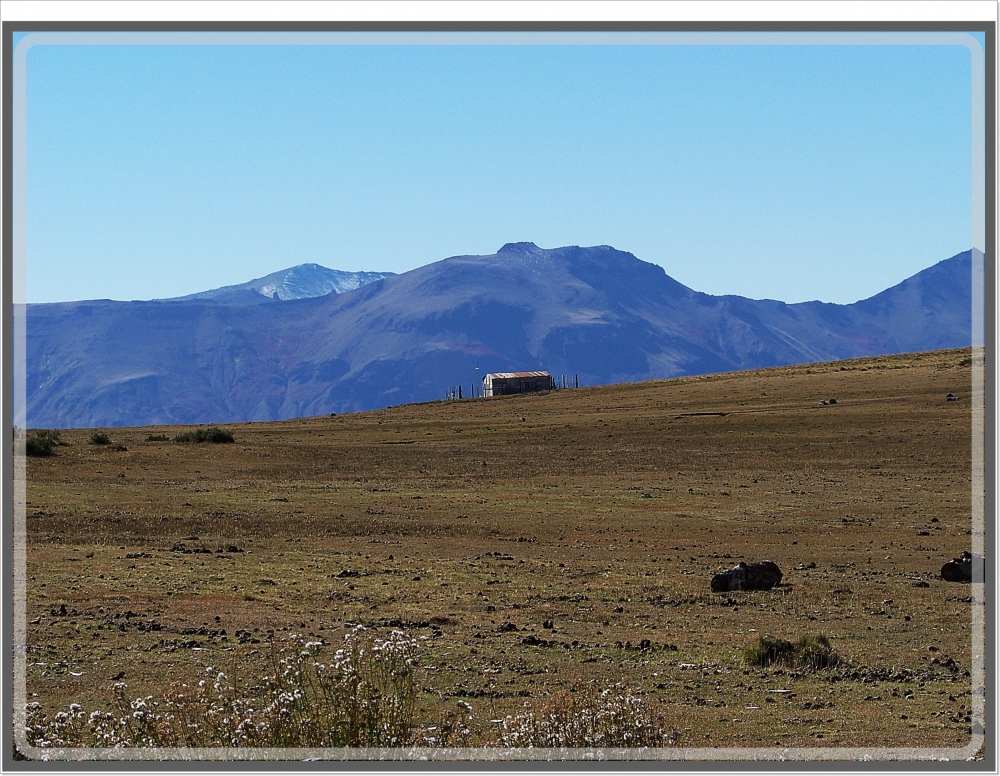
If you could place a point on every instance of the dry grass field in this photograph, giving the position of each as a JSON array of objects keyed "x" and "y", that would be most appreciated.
[{"x": 540, "y": 542}]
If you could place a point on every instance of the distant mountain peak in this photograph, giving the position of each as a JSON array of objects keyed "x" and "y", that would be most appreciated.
[
  {"x": 302, "y": 281},
  {"x": 520, "y": 248}
]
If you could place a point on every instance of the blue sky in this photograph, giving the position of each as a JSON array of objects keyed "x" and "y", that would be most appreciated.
[{"x": 783, "y": 172}]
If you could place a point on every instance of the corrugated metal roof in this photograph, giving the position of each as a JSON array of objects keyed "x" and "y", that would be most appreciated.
[{"x": 507, "y": 375}]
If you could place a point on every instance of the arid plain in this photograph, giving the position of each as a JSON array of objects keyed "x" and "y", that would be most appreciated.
[{"x": 539, "y": 542}]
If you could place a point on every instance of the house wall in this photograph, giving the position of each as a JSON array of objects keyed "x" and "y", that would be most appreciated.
[{"x": 503, "y": 386}]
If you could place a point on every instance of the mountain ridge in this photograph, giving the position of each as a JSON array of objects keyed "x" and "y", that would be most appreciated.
[{"x": 598, "y": 312}]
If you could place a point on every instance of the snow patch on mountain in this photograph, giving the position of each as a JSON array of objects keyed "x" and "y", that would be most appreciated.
[{"x": 300, "y": 282}]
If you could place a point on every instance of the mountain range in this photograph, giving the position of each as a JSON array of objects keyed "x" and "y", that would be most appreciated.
[{"x": 240, "y": 354}]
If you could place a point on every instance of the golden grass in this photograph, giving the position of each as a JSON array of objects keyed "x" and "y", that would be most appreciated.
[{"x": 540, "y": 542}]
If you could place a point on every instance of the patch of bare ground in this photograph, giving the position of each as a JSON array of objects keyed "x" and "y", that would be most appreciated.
[{"x": 536, "y": 543}]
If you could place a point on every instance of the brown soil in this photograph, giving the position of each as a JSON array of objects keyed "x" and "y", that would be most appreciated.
[{"x": 603, "y": 510}]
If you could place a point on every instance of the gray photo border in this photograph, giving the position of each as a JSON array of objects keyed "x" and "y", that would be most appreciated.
[{"x": 727, "y": 33}]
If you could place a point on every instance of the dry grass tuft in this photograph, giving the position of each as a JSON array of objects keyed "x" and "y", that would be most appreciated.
[{"x": 809, "y": 652}]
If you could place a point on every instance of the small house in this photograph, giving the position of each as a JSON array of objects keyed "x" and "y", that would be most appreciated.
[{"x": 504, "y": 383}]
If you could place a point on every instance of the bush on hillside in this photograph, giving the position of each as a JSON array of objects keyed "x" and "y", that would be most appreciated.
[
  {"x": 38, "y": 446},
  {"x": 809, "y": 652},
  {"x": 767, "y": 651},
  {"x": 41, "y": 442},
  {"x": 816, "y": 652},
  {"x": 213, "y": 434}
]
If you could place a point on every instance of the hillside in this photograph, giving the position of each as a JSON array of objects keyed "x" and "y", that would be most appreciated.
[{"x": 535, "y": 543}]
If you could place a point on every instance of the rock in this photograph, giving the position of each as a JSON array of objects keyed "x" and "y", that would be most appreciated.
[
  {"x": 748, "y": 576},
  {"x": 534, "y": 641},
  {"x": 959, "y": 569}
]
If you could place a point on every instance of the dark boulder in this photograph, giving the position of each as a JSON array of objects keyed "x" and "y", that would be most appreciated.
[
  {"x": 748, "y": 576},
  {"x": 958, "y": 569}
]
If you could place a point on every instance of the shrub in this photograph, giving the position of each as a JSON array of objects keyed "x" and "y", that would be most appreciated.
[
  {"x": 589, "y": 717},
  {"x": 213, "y": 434},
  {"x": 100, "y": 438},
  {"x": 360, "y": 696},
  {"x": 38, "y": 446},
  {"x": 157, "y": 438},
  {"x": 815, "y": 652},
  {"x": 768, "y": 650},
  {"x": 809, "y": 652},
  {"x": 42, "y": 442}
]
